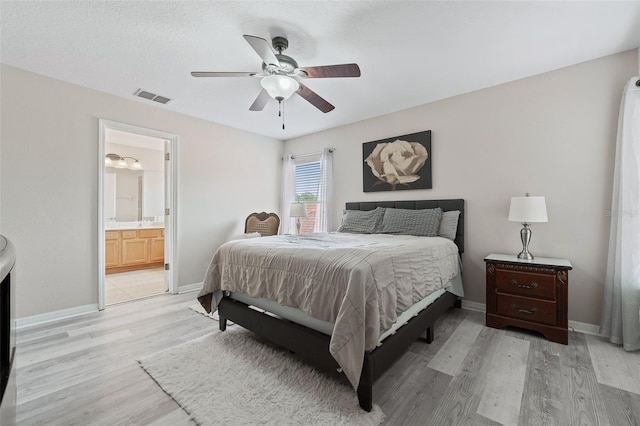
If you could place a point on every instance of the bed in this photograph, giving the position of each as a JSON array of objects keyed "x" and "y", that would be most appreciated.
[{"x": 356, "y": 316}]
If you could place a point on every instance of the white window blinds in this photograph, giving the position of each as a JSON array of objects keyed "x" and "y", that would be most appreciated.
[{"x": 308, "y": 180}]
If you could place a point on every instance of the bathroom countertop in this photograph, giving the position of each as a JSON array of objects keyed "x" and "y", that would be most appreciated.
[{"x": 132, "y": 228}]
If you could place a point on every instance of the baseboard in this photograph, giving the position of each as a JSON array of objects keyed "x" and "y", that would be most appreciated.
[
  {"x": 585, "y": 328},
  {"x": 39, "y": 319},
  {"x": 581, "y": 327},
  {"x": 473, "y": 306},
  {"x": 189, "y": 288}
]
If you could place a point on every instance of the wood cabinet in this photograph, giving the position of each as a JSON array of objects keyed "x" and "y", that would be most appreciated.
[
  {"x": 135, "y": 251},
  {"x": 529, "y": 294},
  {"x": 156, "y": 250},
  {"x": 112, "y": 249},
  {"x": 132, "y": 249},
  {"x": 156, "y": 243}
]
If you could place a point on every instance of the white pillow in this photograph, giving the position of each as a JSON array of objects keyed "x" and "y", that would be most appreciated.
[
  {"x": 245, "y": 236},
  {"x": 449, "y": 224}
]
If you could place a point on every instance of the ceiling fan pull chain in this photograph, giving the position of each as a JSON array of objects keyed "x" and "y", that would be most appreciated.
[{"x": 282, "y": 115}]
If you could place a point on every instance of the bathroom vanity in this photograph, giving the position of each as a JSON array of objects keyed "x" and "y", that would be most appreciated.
[{"x": 131, "y": 249}]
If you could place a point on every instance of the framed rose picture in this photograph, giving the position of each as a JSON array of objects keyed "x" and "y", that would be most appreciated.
[{"x": 401, "y": 162}]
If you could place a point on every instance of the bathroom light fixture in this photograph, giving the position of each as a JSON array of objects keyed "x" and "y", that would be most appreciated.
[
  {"x": 121, "y": 163},
  {"x": 527, "y": 209},
  {"x": 114, "y": 160}
]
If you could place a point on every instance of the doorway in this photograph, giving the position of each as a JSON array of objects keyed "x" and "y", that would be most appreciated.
[{"x": 136, "y": 213}]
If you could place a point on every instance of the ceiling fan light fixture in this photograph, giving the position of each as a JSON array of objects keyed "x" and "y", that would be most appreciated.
[{"x": 279, "y": 87}]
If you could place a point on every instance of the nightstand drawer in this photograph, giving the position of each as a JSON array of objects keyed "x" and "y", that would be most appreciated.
[
  {"x": 537, "y": 310},
  {"x": 526, "y": 283}
]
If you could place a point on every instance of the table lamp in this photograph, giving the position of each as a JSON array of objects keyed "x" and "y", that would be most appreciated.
[
  {"x": 298, "y": 210},
  {"x": 526, "y": 210}
]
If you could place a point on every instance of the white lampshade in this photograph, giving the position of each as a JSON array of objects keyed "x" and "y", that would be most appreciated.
[
  {"x": 121, "y": 163},
  {"x": 279, "y": 87},
  {"x": 136, "y": 165},
  {"x": 528, "y": 209},
  {"x": 298, "y": 210}
]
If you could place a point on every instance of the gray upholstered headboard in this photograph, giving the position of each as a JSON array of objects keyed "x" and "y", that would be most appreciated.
[{"x": 445, "y": 205}]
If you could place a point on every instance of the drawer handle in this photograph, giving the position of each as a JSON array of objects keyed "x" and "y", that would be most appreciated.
[
  {"x": 524, "y": 311},
  {"x": 517, "y": 284}
]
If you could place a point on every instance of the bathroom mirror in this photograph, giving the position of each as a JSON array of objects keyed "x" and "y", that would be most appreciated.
[{"x": 123, "y": 195}]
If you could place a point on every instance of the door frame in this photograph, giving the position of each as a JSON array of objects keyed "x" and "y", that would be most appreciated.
[{"x": 171, "y": 220}]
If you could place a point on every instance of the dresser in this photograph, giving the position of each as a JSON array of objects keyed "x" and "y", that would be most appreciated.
[{"x": 529, "y": 294}]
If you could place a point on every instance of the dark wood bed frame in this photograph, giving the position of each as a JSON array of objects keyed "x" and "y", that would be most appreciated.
[{"x": 314, "y": 346}]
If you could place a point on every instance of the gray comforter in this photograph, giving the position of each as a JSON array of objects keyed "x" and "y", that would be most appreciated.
[{"x": 361, "y": 283}]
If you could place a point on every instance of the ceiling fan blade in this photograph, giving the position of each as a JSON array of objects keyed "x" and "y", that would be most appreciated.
[
  {"x": 262, "y": 48},
  {"x": 222, "y": 74},
  {"x": 331, "y": 71},
  {"x": 314, "y": 99},
  {"x": 260, "y": 102}
]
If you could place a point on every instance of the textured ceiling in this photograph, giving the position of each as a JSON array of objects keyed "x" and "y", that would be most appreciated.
[{"x": 410, "y": 53}]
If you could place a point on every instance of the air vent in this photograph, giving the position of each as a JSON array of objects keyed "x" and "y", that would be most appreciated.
[{"x": 151, "y": 96}]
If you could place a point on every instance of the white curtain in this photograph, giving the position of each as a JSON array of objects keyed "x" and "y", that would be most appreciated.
[
  {"x": 288, "y": 193},
  {"x": 620, "y": 320},
  {"x": 323, "y": 212}
]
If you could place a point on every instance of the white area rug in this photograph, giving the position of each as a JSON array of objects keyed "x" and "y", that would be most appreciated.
[{"x": 230, "y": 378}]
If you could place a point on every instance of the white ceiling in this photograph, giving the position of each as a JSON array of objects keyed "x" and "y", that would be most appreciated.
[
  {"x": 133, "y": 139},
  {"x": 410, "y": 52}
]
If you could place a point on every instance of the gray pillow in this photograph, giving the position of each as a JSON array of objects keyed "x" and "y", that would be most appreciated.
[
  {"x": 362, "y": 222},
  {"x": 421, "y": 223},
  {"x": 449, "y": 224}
]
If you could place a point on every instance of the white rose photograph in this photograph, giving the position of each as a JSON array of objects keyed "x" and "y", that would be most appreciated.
[{"x": 397, "y": 163}]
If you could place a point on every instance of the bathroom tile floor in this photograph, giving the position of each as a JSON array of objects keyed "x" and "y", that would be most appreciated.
[{"x": 125, "y": 286}]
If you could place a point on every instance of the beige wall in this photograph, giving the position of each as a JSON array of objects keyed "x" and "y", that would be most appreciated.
[
  {"x": 552, "y": 134},
  {"x": 1, "y": 151},
  {"x": 49, "y": 183}
]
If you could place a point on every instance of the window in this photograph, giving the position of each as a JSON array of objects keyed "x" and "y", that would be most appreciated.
[
  {"x": 307, "y": 184},
  {"x": 307, "y": 179}
]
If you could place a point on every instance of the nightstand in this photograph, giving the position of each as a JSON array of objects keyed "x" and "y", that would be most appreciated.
[{"x": 529, "y": 294}]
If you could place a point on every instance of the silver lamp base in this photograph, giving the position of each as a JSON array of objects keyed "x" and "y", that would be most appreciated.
[
  {"x": 525, "y": 237},
  {"x": 525, "y": 255}
]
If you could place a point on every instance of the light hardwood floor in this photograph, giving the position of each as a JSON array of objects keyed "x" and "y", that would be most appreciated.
[{"x": 83, "y": 371}]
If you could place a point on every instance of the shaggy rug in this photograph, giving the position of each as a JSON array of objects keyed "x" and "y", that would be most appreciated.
[{"x": 230, "y": 378}]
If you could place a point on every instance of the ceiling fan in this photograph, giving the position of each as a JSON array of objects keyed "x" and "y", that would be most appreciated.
[{"x": 281, "y": 75}]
